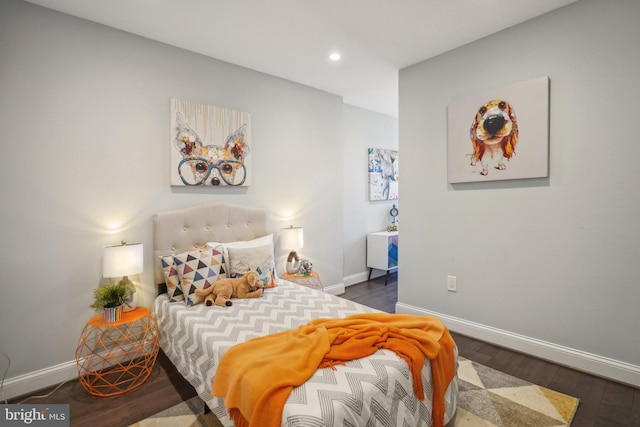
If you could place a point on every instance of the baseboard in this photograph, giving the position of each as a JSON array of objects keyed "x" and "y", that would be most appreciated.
[
  {"x": 337, "y": 289},
  {"x": 37, "y": 380},
  {"x": 588, "y": 362},
  {"x": 354, "y": 279}
]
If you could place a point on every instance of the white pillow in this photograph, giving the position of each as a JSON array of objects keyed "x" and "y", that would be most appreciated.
[
  {"x": 260, "y": 241},
  {"x": 258, "y": 259}
]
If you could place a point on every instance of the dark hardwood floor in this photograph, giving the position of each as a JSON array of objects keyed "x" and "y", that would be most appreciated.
[{"x": 603, "y": 403}]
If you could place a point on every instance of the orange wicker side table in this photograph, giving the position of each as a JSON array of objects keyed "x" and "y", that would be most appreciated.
[
  {"x": 311, "y": 280},
  {"x": 116, "y": 357}
]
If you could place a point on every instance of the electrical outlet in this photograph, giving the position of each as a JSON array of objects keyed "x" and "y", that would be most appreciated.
[{"x": 451, "y": 284}]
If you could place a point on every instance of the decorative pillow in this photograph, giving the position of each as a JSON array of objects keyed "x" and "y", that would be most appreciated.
[
  {"x": 246, "y": 244},
  {"x": 174, "y": 288},
  {"x": 198, "y": 269},
  {"x": 258, "y": 259}
]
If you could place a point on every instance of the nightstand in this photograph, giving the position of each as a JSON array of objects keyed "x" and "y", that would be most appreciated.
[
  {"x": 116, "y": 357},
  {"x": 382, "y": 252},
  {"x": 311, "y": 280}
]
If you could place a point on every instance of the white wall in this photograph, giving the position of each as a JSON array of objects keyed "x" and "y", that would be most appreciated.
[
  {"x": 547, "y": 265},
  {"x": 84, "y": 116},
  {"x": 362, "y": 130}
]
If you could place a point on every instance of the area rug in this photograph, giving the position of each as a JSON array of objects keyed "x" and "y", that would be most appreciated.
[
  {"x": 189, "y": 413},
  {"x": 486, "y": 398}
]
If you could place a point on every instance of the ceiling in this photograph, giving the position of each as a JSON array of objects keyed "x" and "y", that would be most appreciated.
[{"x": 292, "y": 39}]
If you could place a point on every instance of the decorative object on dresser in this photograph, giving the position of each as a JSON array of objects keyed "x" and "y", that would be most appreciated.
[
  {"x": 115, "y": 357},
  {"x": 124, "y": 260},
  {"x": 382, "y": 252},
  {"x": 292, "y": 238},
  {"x": 393, "y": 213}
]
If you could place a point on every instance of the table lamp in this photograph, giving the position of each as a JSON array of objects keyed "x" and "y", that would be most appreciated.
[
  {"x": 292, "y": 238},
  {"x": 121, "y": 261}
]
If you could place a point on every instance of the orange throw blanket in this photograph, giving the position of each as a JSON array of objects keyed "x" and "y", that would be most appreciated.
[{"x": 255, "y": 378}]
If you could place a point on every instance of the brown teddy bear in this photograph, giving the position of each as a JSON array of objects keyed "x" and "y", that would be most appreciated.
[{"x": 247, "y": 286}]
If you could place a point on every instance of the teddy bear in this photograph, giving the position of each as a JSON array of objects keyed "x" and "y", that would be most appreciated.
[{"x": 247, "y": 286}]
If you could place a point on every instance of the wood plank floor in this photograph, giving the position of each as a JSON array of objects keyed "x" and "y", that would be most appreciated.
[{"x": 603, "y": 403}]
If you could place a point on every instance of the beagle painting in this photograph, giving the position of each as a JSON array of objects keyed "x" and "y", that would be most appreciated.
[
  {"x": 483, "y": 130},
  {"x": 494, "y": 135}
]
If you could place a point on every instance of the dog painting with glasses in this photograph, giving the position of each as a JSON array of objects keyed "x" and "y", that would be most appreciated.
[{"x": 210, "y": 164}]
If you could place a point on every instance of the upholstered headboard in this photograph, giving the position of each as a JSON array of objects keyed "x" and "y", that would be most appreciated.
[{"x": 183, "y": 229}]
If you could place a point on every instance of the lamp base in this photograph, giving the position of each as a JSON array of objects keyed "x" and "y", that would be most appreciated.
[
  {"x": 293, "y": 263},
  {"x": 132, "y": 298},
  {"x": 131, "y": 304}
]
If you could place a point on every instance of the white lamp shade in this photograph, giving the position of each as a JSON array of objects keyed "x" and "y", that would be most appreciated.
[
  {"x": 291, "y": 238},
  {"x": 122, "y": 260}
]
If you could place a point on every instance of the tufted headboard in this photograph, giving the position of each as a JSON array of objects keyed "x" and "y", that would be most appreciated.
[{"x": 183, "y": 229}]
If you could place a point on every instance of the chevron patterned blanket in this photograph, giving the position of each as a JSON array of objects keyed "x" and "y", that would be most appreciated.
[
  {"x": 374, "y": 390},
  {"x": 256, "y": 392}
]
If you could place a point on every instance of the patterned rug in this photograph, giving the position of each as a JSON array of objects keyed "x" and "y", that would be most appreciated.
[
  {"x": 189, "y": 413},
  {"x": 486, "y": 398}
]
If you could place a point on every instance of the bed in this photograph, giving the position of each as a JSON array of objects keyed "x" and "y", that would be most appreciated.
[{"x": 374, "y": 390}]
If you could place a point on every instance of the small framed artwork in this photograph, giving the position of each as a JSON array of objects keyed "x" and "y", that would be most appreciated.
[
  {"x": 500, "y": 134},
  {"x": 383, "y": 174},
  {"x": 210, "y": 145}
]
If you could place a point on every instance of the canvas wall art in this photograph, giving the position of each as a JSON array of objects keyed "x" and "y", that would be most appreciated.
[
  {"x": 500, "y": 134},
  {"x": 210, "y": 145},
  {"x": 383, "y": 174}
]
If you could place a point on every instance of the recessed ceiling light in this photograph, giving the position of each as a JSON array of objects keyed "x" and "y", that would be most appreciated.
[{"x": 335, "y": 56}]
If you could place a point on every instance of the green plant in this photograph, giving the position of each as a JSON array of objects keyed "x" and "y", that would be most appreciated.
[{"x": 110, "y": 295}]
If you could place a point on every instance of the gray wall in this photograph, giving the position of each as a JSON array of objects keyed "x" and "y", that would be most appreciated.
[
  {"x": 363, "y": 129},
  {"x": 550, "y": 259},
  {"x": 84, "y": 113}
]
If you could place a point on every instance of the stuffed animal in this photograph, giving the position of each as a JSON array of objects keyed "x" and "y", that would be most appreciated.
[
  {"x": 306, "y": 267},
  {"x": 222, "y": 290}
]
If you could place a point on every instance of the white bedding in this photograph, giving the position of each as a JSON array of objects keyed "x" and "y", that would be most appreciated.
[{"x": 375, "y": 390}]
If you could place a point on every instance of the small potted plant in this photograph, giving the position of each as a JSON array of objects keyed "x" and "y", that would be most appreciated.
[{"x": 110, "y": 298}]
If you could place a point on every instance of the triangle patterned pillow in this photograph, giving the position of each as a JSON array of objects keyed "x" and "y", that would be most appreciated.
[
  {"x": 198, "y": 269},
  {"x": 171, "y": 279}
]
